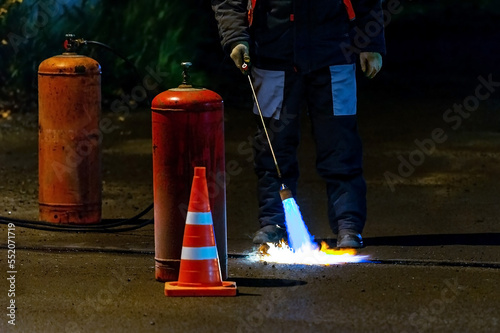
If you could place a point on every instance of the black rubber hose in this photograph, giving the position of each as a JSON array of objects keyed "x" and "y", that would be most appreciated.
[
  {"x": 38, "y": 226},
  {"x": 102, "y": 227},
  {"x": 105, "y": 223},
  {"x": 127, "y": 61}
]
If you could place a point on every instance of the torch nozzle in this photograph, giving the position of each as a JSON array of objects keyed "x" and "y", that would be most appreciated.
[{"x": 285, "y": 192}]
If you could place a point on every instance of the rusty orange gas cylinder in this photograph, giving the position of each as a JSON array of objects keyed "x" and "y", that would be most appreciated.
[
  {"x": 188, "y": 132},
  {"x": 69, "y": 140}
]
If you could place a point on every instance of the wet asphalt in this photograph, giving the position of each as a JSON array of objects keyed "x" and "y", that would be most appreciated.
[{"x": 432, "y": 235}]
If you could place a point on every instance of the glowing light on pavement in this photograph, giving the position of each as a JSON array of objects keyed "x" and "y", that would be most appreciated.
[
  {"x": 301, "y": 248},
  {"x": 283, "y": 254}
]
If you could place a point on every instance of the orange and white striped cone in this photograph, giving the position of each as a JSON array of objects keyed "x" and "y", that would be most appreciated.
[{"x": 199, "y": 272}]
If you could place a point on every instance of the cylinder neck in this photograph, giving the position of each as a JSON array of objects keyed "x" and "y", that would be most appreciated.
[{"x": 186, "y": 78}]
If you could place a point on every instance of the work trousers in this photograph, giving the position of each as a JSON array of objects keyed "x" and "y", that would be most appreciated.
[{"x": 329, "y": 96}]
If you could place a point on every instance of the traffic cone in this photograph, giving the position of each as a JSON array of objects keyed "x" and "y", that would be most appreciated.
[{"x": 199, "y": 272}]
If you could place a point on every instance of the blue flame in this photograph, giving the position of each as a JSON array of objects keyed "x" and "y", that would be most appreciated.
[{"x": 298, "y": 235}]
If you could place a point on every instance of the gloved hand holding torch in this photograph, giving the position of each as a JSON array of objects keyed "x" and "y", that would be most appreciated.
[
  {"x": 241, "y": 58},
  {"x": 241, "y": 55}
]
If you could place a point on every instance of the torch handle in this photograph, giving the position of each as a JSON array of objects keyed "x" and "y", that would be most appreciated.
[{"x": 264, "y": 125}]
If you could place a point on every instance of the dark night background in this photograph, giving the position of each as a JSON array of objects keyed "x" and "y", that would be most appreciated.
[
  {"x": 432, "y": 229},
  {"x": 436, "y": 51},
  {"x": 435, "y": 48}
]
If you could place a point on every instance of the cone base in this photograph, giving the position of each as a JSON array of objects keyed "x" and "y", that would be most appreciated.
[{"x": 228, "y": 288}]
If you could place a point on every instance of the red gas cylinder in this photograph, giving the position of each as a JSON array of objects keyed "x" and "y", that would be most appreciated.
[
  {"x": 69, "y": 140},
  {"x": 188, "y": 132}
]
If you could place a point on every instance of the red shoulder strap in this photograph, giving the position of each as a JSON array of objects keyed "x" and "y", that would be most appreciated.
[
  {"x": 350, "y": 9},
  {"x": 250, "y": 11}
]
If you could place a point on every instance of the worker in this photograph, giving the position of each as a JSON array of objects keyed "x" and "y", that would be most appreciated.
[{"x": 304, "y": 54}]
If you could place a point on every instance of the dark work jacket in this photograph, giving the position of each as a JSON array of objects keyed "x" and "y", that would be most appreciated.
[{"x": 301, "y": 34}]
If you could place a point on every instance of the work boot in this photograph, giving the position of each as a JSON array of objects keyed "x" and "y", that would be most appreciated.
[
  {"x": 269, "y": 234},
  {"x": 349, "y": 238}
]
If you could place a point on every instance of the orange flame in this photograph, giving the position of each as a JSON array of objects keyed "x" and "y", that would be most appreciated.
[
  {"x": 282, "y": 253},
  {"x": 328, "y": 250}
]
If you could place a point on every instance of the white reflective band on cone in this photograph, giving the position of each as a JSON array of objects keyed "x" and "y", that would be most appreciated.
[
  {"x": 199, "y": 253},
  {"x": 204, "y": 218}
]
